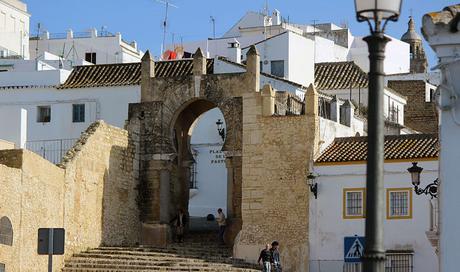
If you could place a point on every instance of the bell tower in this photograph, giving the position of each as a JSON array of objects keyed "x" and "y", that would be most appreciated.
[{"x": 418, "y": 61}]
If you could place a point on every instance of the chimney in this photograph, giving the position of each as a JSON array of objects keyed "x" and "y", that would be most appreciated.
[
  {"x": 349, "y": 111},
  {"x": 93, "y": 32},
  {"x": 276, "y": 17},
  {"x": 335, "y": 109},
  {"x": 69, "y": 34},
  {"x": 147, "y": 72},
  {"x": 234, "y": 51}
]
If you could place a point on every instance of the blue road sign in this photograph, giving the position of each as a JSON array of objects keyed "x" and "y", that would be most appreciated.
[{"x": 353, "y": 249}]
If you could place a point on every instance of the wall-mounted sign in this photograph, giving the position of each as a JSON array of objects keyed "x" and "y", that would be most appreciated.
[
  {"x": 217, "y": 156},
  {"x": 353, "y": 249}
]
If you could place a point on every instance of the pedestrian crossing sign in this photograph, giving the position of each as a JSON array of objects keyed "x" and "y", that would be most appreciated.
[{"x": 353, "y": 249}]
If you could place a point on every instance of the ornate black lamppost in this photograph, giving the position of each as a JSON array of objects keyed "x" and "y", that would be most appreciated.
[
  {"x": 376, "y": 12},
  {"x": 431, "y": 189},
  {"x": 221, "y": 129},
  {"x": 312, "y": 183}
]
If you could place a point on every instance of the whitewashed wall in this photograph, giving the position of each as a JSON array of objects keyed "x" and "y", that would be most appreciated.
[
  {"x": 14, "y": 28},
  {"x": 328, "y": 228},
  {"x": 397, "y": 56},
  {"x": 108, "y": 104},
  {"x": 13, "y": 125}
]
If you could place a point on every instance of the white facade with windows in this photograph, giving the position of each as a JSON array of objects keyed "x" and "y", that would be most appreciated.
[
  {"x": 88, "y": 47},
  {"x": 339, "y": 211},
  {"x": 14, "y": 29}
]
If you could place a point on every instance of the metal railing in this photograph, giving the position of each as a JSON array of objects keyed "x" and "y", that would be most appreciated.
[
  {"x": 396, "y": 261},
  {"x": 193, "y": 181},
  {"x": 52, "y": 150}
]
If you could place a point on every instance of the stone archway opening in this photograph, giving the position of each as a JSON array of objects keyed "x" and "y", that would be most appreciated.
[{"x": 201, "y": 169}]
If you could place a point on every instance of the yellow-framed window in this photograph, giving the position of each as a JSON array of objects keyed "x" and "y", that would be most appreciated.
[
  {"x": 399, "y": 203},
  {"x": 354, "y": 203}
]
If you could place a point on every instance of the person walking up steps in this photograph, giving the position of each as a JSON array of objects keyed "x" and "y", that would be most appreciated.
[
  {"x": 265, "y": 259},
  {"x": 222, "y": 222},
  {"x": 276, "y": 257},
  {"x": 179, "y": 223}
]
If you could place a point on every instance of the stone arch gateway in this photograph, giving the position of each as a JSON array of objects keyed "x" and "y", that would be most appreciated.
[{"x": 267, "y": 156}]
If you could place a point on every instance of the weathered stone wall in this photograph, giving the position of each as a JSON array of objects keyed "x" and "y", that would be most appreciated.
[
  {"x": 276, "y": 153},
  {"x": 92, "y": 195},
  {"x": 100, "y": 192},
  {"x": 32, "y": 192},
  {"x": 418, "y": 114}
]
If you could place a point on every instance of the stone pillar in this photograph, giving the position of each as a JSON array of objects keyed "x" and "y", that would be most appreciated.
[
  {"x": 233, "y": 164},
  {"x": 441, "y": 30},
  {"x": 335, "y": 109},
  {"x": 268, "y": 100},
  {"x": 156, "y": 177},
  {"x": 311, "y": 112},
  {"x": 253, "y": 69},
  {"x": 147, "y": 73}
]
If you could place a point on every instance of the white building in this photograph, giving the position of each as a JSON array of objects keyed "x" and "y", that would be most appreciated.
[
  {"x": 291, "y": 49},
  {"x": 339, "y": 210},
  {"x": 14, "y": 29},
  {"x": 88, "y": 47},
  {"x": 441, "y": 31}
]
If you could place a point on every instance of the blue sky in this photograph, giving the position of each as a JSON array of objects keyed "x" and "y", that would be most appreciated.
[{"x": 141, "y": 20}]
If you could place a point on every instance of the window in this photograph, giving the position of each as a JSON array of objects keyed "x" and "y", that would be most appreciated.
[
  {"x": 90, "y": 57},
  {"x": 6, "y": 231},
  {"x": 277, "y": 68},
  {"x": 2, "y": 267},
  {"x": 399, "y": 261},
  {"x": 399, "y": 203},
  {"x": 43, "y": 114},
  {"x": 78, "y": 113},
  {"x": 354, "y": 203}
]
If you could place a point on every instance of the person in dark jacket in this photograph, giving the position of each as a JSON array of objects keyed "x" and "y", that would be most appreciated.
[
  {"x": 275, "y": 257},
  {"x": 265, "y": 259},
  {"x": 179, "y": 223}
]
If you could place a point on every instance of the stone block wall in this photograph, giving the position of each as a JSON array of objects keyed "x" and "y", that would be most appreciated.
[
  {"x": 92, "y": 195},
  {"x": 276, "y": 155},
  {"x": 419, "y": 115},
  {"x": 31, "y": 196}
]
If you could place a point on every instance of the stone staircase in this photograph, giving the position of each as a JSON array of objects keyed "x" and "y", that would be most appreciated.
[{"x": 199, "y": 252}]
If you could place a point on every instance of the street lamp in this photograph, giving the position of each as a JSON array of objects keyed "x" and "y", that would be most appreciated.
[
  {"x": 431, "y": 189},
  {"x": 312, "y": 183},
  {"x": 377, "y": 11},
  {"x": 221, "y": 129}
]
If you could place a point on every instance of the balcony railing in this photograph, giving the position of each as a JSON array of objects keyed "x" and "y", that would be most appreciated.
[{"x": 52, "y": 150}]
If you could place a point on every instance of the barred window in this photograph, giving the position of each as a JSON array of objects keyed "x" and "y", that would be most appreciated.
[
  {"x": 78, "y": 113},
  {"x": 399, "y": 203},
  {"x": 399, "y": 261},
  {"x": 353, "y": 203}
]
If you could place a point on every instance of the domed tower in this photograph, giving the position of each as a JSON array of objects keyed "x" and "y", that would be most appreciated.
[{"x": 418, "y": 61}]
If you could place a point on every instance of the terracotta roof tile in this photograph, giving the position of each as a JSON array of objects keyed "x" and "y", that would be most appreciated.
[
  {"x": 106, "y": 75},
  {"x": 339, "y": 75},
  {"x": 411, "y": 146}
]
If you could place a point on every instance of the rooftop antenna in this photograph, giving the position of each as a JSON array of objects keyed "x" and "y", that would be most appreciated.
[
  {"x": 39, "y": 26},
  {"x": 165, "y": 22},
  {"x": 213, "y": 22}
]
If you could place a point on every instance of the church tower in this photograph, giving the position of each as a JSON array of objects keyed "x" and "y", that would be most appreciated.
[{"x": 418, "y": 61}]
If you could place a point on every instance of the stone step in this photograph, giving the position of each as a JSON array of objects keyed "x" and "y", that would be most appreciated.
[{"x": 158, "y": 269}]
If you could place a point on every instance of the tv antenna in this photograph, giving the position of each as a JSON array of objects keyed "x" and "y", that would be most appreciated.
[
  {"x": 165, "y": 22},
  {"x": 213, "y": 22}
]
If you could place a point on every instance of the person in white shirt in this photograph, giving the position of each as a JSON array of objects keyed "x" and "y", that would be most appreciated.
[{"x": 221, "y": 221}]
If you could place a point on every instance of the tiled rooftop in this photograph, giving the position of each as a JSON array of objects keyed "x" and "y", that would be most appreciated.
[
  {"x": 339, "y": 75},
  {"x": 107, "y": 75},
  {"x": 399, "y": 147}
]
